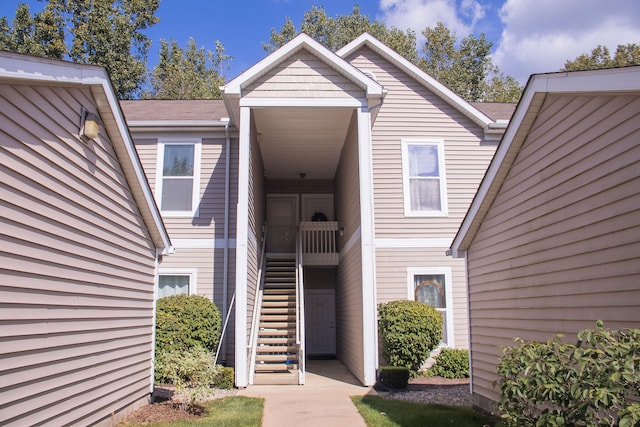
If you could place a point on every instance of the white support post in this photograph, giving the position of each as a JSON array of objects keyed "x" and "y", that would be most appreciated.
[
  {"x": 242, "y": 367},
  {"x": 369, "y": 313}
]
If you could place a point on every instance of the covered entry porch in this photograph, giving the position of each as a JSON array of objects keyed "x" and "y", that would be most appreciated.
[{"x": 304, "y": 123}]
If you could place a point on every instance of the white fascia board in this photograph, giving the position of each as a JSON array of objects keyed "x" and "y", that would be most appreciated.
[
  {"x": 426, "y": 80},
  {"x": 25, "y": 67},
  {"x": 302, "y": 40},
  {"x": 625, "y": 79},
  {"x": 176, "y": 123},
  {"x": 303, "y": 102}
]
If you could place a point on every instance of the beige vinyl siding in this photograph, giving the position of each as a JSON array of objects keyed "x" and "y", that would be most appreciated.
[
  {"x": 76, "y": 267},
  {"x": 349, "y": 302},
  {"x": 303, "y": 75},
  {"x": 410, "y": 111},
  {"x": 559, "y": 247},
  {"x": 391, "y": 283}
]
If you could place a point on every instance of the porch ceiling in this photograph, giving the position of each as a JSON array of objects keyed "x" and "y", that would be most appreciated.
[{"x": 296, "y": 140}]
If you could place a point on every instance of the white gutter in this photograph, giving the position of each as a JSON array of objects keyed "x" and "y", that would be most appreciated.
[{"x": 225, "y": 268}]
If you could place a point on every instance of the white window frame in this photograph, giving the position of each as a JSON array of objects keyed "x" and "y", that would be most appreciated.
[
  {"x": 195, "y": 197},
  {"x": 191, "y": 272},
  {"x": 406, "y": 183},
  {"x": 446, "y": 271}
]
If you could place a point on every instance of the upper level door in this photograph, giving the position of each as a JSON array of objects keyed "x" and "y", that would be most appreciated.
[{"x": 282, "y": 220}]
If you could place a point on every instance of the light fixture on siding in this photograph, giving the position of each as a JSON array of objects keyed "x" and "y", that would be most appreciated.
[
  {"x": 302, "y": 175},
  {"x": 90, "y": 125}
]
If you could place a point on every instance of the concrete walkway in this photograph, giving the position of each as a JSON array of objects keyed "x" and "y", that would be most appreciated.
[{"x": 323, "y": 401}]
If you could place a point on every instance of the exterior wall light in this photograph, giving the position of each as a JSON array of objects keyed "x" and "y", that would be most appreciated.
[{"x": 90, "y": 125}]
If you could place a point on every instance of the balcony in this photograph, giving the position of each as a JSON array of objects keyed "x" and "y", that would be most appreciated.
[{"x": 319, "y": 243}]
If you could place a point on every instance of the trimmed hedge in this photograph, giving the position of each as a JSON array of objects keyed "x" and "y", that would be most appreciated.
[
  {"x": 394, "y": 377},
  {"x": 186, "y": 321},
  {"x": 409, "y": 331}
]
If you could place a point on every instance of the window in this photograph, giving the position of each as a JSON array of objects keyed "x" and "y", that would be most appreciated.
[
  {"x": 423, "y": 178},
  {"x": 433, "y": 286},
  {"x": 178, "y": 177},
  {"x": 176, "y": 282}
]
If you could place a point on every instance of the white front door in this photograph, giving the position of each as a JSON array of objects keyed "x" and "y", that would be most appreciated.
[
  {"x": 282, "y": 214},
  {"x": 320, "y": 322}
]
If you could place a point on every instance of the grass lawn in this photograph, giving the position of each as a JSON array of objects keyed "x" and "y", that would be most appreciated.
[
  {"x": 235, "y": 411},
  {"x": 380, "y": 412}
]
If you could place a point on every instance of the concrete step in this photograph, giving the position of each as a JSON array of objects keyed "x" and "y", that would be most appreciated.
[
  {"x": 276, "y": 378},
  {"x": 275, "y": 317},
  {"x": 274, "y": 303},
  {"x": 282, "y": 310},
  {"x": 270, "y": 332}
]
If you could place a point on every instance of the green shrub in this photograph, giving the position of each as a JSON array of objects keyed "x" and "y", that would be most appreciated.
[
  {"x": 226, "y": 379},
  {"x": 593, "y": 382},
  {"x": 451, "y": 363},
  {"x": 187, "y": 368},
  {"x": 396, "y": 377},
  {"x": 409, "y": 331},
  {"x": 186, "y": 321}
]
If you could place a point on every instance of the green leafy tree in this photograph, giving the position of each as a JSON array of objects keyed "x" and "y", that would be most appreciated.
[
  {"x": 600, "y": 57},
  {"x": 191, "y": 73},
  {"x": 101, "y": 32},
  {"x": 334, "y": 33},
  {"x": 41, "y": 34},
  {"x": 466, "y": 68}
]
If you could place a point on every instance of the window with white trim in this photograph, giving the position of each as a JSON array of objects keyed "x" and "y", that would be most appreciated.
[
  {"x": 424, "y": 178},
  {"x": 176, "y": 282},
  {"x": 178, "y": 176},
  {"x": 432, "y": 286}
]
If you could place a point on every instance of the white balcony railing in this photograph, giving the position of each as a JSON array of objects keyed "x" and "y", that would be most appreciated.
[{"x": 319, "y": 242}]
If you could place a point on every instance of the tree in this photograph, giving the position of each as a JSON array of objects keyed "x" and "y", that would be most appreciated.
[
  {"x": 600, "y": 57},
  {"x": 40, "y": 35},
  {"x": 467, "y": 70},
  {"x": 101, "y": 32},
  {"x": 189, "y": 73},
  {"x": 334, "y": 33},
  {"x": 466, "y": 67}
]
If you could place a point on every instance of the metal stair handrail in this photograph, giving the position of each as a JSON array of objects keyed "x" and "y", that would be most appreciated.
[
  {"x": 253, "y": 339},
  {"x": 300, "y": 327}
]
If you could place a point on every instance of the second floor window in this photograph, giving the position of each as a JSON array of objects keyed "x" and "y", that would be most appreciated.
[
  {"x": 423, "y": 176},
  {"x": 178, "y": 170}
]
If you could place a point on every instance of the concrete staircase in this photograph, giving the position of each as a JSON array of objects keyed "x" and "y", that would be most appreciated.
[{"x": 276, "y": 352}]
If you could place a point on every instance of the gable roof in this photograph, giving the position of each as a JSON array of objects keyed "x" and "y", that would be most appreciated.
[
  {"x": 232, "y": 91},
  {"x": 618, "y": 80},
  {"x": 411, "y": 69},
  {"x": 17, "y": 68}
]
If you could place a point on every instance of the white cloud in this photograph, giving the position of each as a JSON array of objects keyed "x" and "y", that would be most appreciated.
[
  {"x": 419, "y": 14},
  {"x": 539, "y": 36}
]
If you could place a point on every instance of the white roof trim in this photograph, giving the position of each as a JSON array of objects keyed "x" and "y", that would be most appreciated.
[
  {"x": 24, "y": 68},
  {"x": 301, "y": 41},
  {"x": 429, "y": 82},
  {"x": 608, "y": 80}
]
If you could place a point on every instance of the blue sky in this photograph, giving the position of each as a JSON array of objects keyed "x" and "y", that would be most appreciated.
[{"x": 529, "y": 36}]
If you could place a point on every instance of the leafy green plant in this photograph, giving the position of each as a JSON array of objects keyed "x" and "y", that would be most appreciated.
[
  {"x": 451, "y": 363},
  {"x": 395, "y": 377},
  {"x": 186, "y": 321},
  {"x": 593, "y": 382},
  {"x": 226, "y": 379},
  {"x": 409, "y": 331}
]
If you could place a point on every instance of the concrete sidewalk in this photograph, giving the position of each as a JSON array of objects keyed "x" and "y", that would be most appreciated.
[{"x": 323, "y": 401}]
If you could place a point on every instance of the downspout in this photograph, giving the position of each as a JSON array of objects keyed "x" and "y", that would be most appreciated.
[{"x": 225, "y": 257}]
